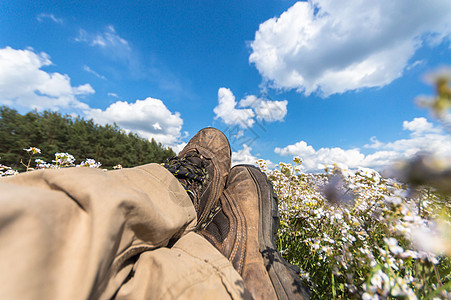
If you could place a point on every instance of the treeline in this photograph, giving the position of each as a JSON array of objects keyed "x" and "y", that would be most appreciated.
[{"x": 52, "y": 132}]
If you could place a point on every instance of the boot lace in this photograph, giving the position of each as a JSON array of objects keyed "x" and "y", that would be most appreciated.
[{"x": 190, "y": 170}]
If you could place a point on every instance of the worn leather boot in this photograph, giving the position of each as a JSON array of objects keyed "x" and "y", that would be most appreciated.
[
  {"x": 245, "y": 231},
  {"x": 202, "y": 168}
]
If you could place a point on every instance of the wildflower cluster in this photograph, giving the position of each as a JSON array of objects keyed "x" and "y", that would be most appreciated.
[
  {"x": 91, "y": 163},
  {"x": 355, "y": 233},
  {"x": 7, "y": 171},
  {"x": 62, "y": 160}
]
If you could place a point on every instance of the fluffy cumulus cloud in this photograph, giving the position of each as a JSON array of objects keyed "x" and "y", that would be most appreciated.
[
  {"x": 249, "y": 108},
  {"x": 23, "y": 83},
  {"x": 329, "y": 46},
  {"x": 226, "y": 110},
  {"x": 267, "y": 110},
  {"x": 244, "y": 156},
  {"x": 317, "y": 159},
  {"x": 178, "y": 147},
  {"x": 149, "y": 118},
  {"x": 424, "y": 137},
  {"x": 419, "y": 126}
]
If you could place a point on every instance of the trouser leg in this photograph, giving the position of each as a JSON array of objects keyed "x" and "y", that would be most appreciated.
[
  {"x": 191, "y": 269},
  {"x": 74, "y": 233}
]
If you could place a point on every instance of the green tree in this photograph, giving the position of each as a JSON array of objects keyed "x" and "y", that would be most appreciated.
[{"x": 53, "y": 132}]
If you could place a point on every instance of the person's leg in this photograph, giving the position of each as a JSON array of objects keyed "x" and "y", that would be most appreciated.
[
  {"x": 82, "y": 233},
  {"x": 245, "y": 231},
  {"x": 191, "y": 269},
  {"x": 72, "y": 233}
]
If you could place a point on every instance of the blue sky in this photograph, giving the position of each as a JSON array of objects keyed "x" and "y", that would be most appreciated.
[{"x": 329, "y": 81}]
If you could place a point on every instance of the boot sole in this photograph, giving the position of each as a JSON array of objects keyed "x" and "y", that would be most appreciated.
[{"x": 284, "y": 276}]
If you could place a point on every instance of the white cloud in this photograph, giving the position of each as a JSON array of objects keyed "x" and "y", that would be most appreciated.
[
  {"x": 250, "y": 107},
  {"x": 89, "y": 70},
  {"x": 227, "y": 111},
  {"x": 335, "y": 46},
  {"x": 244, "y": 156},
  {"x": 300, "y": 148},
  {"x": 317, "y": 159},
  {"x": 267, "y": 110},
  {"x": 42, "y": 17},
  {"x": 24, "y": 85},
  {"x": 83, "y": 89},
  {"x": 424, "y": 137},
  {"x": 109, "y": 38},
  {"x": 149, "y": 118},
  {"x": 178, "y": 147},
  {"x": 418, "y": 126},
  {"x": 113, "y": 95},
  {"x": 375, "y": 143},
  {"x": 156, "y": 126},
  {"x": 82, "y": 36},
  {"x": 118, "y": 49},
  {"x": 109, "y": 41},
  {"x": 414, "y": 64}
]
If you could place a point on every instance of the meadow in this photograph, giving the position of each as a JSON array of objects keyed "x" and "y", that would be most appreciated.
[
  {"x": 357, "y": 235},
  {"x": 353, "y": 233}
]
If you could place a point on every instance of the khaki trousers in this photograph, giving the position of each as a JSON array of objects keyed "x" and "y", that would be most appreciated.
[{"x": 82, "y": 233}]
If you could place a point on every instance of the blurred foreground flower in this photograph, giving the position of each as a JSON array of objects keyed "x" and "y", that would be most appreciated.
[
  {"x": 425, "y": 169},
  {"x": 435, "y": 238},
  {"x": 442, "y": 101}
]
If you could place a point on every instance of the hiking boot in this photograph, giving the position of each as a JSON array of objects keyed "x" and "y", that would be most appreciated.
[
  {"x": 202, "y": 168},
  {"x": 245, "y": 231}
]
